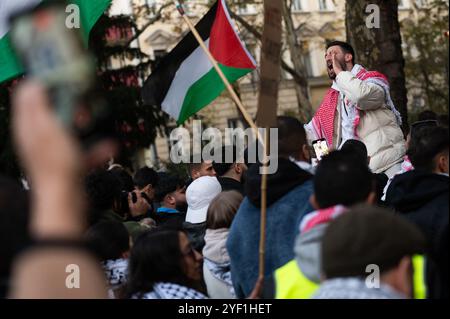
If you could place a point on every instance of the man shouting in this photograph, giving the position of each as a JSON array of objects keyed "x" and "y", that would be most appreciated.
[{"x": 359, "y": 106}]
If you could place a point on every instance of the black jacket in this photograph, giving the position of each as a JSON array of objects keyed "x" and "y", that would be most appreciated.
[
  {"x": 288, "y": 177},
  {"x": 381, "y": 181},
  {"x": 170, "y": 220},
  {"x": 423, "y": 199},
  {"x": 230, "y": 184}
]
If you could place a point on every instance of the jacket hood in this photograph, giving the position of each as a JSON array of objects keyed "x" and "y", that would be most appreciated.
[
  {"x": 307, "y": 247},
  {"x": 287, "y": 177},
  {"x": 308, "y": 252},
  {"x": 215, "y": 246},
  {"x": 412, "y": 190}
]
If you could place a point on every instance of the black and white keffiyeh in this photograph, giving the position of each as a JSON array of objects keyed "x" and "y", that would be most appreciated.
[
  {"x": 354, "y": 288},
  {"x": 116, "y": 271},
  {"x": 221, "y": 272},
  {"x": 171, "y": 291}
]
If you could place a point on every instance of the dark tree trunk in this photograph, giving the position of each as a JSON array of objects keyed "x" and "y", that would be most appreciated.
[{"x": 379, "y": 48}]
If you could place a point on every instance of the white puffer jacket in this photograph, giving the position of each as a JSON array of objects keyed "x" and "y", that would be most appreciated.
[{"x": 378, "y": 128}]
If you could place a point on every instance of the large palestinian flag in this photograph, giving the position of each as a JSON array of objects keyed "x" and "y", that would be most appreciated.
[
  {"x": 185, "y": 81},
  {"x": 90, "y": 12}
]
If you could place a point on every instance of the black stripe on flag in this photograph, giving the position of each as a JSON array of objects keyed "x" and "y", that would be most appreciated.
[{"x": 157, "y": 85}]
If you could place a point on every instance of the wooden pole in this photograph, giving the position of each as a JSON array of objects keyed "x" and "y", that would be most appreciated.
[
  {"x": 262, "y": 239},
  {"x": 267, "y": 103},
  {"x": 252, "y": 124}
]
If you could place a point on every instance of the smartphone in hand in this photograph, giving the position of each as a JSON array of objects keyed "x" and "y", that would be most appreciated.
[
  {"x": 321, "y": 148},
  {"x": 54, "y": 54}
]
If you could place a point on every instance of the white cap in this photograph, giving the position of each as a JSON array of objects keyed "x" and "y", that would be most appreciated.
[{"x": 199, "y": 195}]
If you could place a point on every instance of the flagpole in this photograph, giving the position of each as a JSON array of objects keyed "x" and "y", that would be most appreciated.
[
  {"x": 267, "y": 102},
  {"x": 262, "y": 239},
  {"x": 252, "y": 124},
  {"x": 224, "y": 79}
]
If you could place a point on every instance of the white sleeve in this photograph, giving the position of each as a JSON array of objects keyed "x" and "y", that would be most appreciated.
[
  {"x": 367, "y": 96},
  {"x": 311, "y": 135}
]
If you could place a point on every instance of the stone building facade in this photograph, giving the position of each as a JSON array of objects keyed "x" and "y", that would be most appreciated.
[{"x": 315, "y": 20}]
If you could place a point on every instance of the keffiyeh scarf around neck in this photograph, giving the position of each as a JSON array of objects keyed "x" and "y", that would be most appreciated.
[
  {"x": 323, "y": 121},
  {"x": 171, "y": 291},
  {"x": 221, "y": 272},
  {"x": 322, "y": 216},
  {"x": 354, "y": 288}
]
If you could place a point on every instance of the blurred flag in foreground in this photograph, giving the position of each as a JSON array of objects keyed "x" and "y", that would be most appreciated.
[{"x": 90, "y": 12}]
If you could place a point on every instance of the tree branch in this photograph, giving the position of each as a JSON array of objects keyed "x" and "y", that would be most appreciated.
[
  {"x": 297, "y": 77},
  {"x": 149, "y": 23}
]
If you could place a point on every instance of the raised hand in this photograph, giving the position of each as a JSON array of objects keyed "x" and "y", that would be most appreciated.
[
  {"x": 138, "y": 208},
  {"x": 336, "y": 65}
]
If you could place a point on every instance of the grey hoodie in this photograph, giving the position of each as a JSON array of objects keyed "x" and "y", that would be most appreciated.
[
  {"x": 217, "y": 262},
  {"x": 215, "y": 246},
  {"x": 308, "y": 252}
]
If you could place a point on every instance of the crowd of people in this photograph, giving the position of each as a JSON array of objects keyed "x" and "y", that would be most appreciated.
[{"x": 370, "y": 220}]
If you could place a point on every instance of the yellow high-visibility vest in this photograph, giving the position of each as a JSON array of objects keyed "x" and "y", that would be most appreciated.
[
  {"x": 291, "y": 283},
  {"x": 419, "y": 283}
]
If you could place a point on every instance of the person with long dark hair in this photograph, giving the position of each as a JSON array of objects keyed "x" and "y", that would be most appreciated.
[{"x": 163, "y": 265}]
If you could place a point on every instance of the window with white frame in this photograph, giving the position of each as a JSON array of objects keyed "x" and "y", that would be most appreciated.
[
  {"x": 247, "y": 9},
  {"x": 323, "y": 5},
  {"x": 306, "y": 57},
  {"x": 151, "y": 3},
  {"x": 402, "y": 4},
  {"x": 297, "y": 5},
  {"x": 421, "y": 3}
]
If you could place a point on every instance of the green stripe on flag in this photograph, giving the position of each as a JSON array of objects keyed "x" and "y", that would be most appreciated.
[
  {"x": 90, "y": 12},
  {"x": 207, "y": 89},
  {"x": 9, "y": 65}
]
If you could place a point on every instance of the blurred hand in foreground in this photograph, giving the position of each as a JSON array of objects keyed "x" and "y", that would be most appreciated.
[{"x": 53, "y": 160}]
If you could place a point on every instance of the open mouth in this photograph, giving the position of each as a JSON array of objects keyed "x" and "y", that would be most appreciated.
[{"x": 330, "y": 66}]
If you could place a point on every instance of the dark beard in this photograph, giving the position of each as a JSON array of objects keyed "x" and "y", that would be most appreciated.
[{"x": 244, "y": 177}]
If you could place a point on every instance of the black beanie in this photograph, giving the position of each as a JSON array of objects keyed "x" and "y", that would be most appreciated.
[{"x": 368, "y": 235}]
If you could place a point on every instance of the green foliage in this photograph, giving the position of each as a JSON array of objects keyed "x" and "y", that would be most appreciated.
[{"x": 427, "y": 64}]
